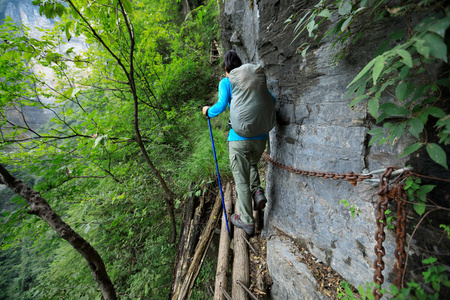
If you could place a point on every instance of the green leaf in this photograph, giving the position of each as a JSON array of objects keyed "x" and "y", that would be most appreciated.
[
  {"x": 429, "y": 261},
  {"x": 300, "y": 23},
  {"x": 346, "y": 24},
  {"x": 407, "y": 59},
  {"x": 364, "y": 3},
  {"x": 440, "y": 27},
  {"x": 394, "y": 289},
  {"x": 424, "y": 24},
  {"x": 425, "y": 189},
  {"x": 382, "y": 48},
  {"x": 376, "y": 131},
  {"x": 379, "y": 65},
  {"x": 404, "y": 72},
  {"x": 362, "y": 292},
  {"x": 443, "y": 82},
  {"x": 437, "y": 154},
  {"x": 325, "y": 13},
  {"x": 393, "y": 110},
  {"x": 363, "y": 72},
  {"x": 400, "y": 90},
  {"x": 373, "y": 107},
  {"x": 397, "y": 132},
  {"x": 358, "y": 99},
  {"x": 345, "y": 9},
  {"x": 68, "y": 36},
  {"x": 397, "y": 35},
  {"x": 437, "y": 46},
  {"x": 419, "y": 208},
  {"x": 415, "y": 127},
  {"x": 375, "y": 139},
  {"x": 436, "y": 112},
  {"x": 422, "y": 48},
  {"x": 411, "y": 149}
]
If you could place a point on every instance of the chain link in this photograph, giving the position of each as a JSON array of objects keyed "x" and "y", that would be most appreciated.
[
  {"x": 400, "y": 237},
  {"x": 386, "y": 193},
  {"x": 351, "y": 177}
]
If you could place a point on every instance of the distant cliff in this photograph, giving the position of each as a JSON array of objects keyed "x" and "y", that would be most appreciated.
[
  {"x": 317, "y": 131},
  {"x": 24, "y": 12}
]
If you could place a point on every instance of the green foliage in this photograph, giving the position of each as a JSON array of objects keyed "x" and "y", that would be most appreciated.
[
  {"x": 85, "y": 160},
  {"x": 389, "y": 219},
  {"x": 435, "y": 277},
  {"x": 392, "y": 84},
  {"x": 417, "y": 193},
  {"x": 446, "y": 229},
  {"x": 21, "y": 267},
  {"x": 347, "y": 292},
  {"x": 205, "y": 280},
  {"x": 354, "y": 210}
]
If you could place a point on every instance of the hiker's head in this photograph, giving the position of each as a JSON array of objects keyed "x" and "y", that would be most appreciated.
[{"x": 231, "y": 61}]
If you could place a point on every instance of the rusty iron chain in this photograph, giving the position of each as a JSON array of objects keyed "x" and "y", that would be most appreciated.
[
  {"x": 380, "y": 235},
  {"x": 400, "y": 237},
  {"x": 351, "y": 177},
  {"x": 387, "y": 192}
]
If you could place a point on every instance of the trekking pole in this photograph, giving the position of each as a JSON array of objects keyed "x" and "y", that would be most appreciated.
[{"x": 218, "y": 176}]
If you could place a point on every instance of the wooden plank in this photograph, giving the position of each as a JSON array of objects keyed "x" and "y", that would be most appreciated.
[
  {"x": 224, "y": 251},
  {"x": 241, "y": 269}
]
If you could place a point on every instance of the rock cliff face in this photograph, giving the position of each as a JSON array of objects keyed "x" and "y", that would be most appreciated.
[{"x": 316, "y": 131}]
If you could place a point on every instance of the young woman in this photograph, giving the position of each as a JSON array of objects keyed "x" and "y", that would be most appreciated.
[{"x": 244, "y": 153}]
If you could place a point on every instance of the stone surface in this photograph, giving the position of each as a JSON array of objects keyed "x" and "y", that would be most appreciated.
[
  {"x": 291, "y": 278},
  {"x": 315, "y": 131}
]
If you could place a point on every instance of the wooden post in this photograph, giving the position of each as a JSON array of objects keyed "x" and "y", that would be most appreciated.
[
  {"x": 187, "y": 245},
  {"x": 224, "y": 251},
  {"x": 200, "y": 251},
  {"x": 241, "y": 268},
  {"x": 181, "y": 254}
]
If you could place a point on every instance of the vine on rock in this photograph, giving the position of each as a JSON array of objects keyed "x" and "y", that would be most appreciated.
[
  {"x": 399, "y": 85},
  {"x": 404, "y": 88}
]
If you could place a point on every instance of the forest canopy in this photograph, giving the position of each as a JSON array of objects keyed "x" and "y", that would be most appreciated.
[{"x": 124, "y": 141}]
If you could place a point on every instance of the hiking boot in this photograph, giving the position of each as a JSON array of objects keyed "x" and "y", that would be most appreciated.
[
  {"x": 236, "y": 221},
  {"x": 259, "y": 200}
]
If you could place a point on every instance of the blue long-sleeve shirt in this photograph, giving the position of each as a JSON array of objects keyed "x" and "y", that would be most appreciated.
[{"x": 225, "y": 97}]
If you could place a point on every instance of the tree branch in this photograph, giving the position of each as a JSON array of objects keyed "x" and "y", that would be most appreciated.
[{"x": 40, "y": 207}]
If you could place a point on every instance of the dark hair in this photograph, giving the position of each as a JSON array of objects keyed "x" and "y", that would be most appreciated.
[{"x": 231, "y": 61}]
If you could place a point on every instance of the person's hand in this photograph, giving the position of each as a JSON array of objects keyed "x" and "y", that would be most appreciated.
[{"x": 205, "y": 109}]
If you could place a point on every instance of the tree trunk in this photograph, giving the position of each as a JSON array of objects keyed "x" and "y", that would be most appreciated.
[
  {"x": 200, "y": 252},
  {"x": 40, "y": 207},
  {"x": 169, "y": 195},
  {"x": 187, "y": 245},
  {"x": 224, "y": 251},
  {"x": 241, "y": 270},
  {"x": 132, "y": 83}
]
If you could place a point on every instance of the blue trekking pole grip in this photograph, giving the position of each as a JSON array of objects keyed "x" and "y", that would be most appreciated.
[{"x": 218, "y": 177}]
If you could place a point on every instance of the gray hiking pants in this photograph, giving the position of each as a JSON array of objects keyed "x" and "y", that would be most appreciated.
[{"x": 244, "y": 158}]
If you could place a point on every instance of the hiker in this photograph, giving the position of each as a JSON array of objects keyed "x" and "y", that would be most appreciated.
[{"x": 244, "y": 151}]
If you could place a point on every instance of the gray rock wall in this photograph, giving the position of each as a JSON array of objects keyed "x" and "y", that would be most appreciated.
[{"x": 316, "y": 131}]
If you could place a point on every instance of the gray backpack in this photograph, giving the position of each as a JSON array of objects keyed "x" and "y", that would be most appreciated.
[{"x": 252, "y": 109}]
